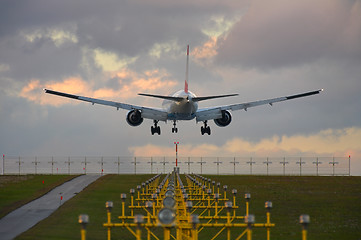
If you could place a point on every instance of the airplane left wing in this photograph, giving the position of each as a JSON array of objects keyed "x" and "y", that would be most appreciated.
[
  {"x": 217, "y": 112},
  {"x": 150, "y": 113}
]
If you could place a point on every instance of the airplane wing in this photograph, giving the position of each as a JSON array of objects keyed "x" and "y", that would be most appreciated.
[
  {"x": 150, "y": 113},
  {"x": 216, "y": 112}
]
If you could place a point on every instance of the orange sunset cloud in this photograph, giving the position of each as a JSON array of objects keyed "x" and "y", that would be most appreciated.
[{"x": 130, "y": 82}]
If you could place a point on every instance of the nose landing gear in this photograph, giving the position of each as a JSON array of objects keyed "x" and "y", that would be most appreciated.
[
  {"x": 174, "y": 129},
  {"x": 205, "y": 129}
]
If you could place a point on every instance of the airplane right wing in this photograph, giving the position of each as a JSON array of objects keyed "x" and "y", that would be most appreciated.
[
  {"x": 217, "y": 112},
  {"x": 150, "y": 113}
]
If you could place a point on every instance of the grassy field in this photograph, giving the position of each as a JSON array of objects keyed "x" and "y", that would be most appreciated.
[
  {"x": 15, "y": 191},
  {"x": 332, "y": 202}
]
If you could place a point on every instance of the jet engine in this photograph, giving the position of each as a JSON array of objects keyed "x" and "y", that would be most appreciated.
[
  {"x": 225, "y": 120},
  {"x": 134, "y": 118}
]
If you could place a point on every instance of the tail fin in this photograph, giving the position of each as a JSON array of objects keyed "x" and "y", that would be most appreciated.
[{"x": 186, "y": 80}]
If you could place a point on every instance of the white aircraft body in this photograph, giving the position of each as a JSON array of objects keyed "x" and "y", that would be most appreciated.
[{"x": 182, "y": 105}]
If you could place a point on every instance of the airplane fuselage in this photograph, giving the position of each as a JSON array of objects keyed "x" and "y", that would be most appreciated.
[{"x": 181, "y": 110}]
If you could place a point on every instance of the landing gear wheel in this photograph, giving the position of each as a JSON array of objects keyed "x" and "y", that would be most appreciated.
[
  {"x": 208, "y": 130},
  {"x": 158, "y": 130},
  {"x": 205, "y": 129},
  {"x": 174, "y": 129},
  {"x": 155, "y": 129}
]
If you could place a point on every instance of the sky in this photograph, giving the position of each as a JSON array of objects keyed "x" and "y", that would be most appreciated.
[{"x": 114, "y": 50}]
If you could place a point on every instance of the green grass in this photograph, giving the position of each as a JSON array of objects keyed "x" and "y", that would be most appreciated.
[
  {"x": 15, "y": 191},
  {"x": 333, "y": 204}
]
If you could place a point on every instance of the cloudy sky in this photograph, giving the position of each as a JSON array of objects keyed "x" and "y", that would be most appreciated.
[{"x": 115, "y": 49}]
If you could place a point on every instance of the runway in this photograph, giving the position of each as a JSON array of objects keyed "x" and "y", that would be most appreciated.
[{"x": 23, "y": 218}]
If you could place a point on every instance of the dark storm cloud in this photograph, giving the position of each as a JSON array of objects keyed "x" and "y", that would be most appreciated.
[
  {"x": 39, "y": 59},
  {"x": 282, "y": 33},
  {"x": 127, "y": 28},
  {"x": 138, "y": 25},
  {"x": 22, "y": 14},
  {"x": 298, "y": 46}
]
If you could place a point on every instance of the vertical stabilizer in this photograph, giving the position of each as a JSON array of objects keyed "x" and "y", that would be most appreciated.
[{"x": 186, "y": 80}]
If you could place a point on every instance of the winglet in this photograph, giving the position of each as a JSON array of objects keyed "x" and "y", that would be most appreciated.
[{"x": 186, "y": 80}]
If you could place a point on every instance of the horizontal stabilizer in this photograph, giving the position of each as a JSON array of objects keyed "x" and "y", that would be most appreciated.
[
  {"x": 197, "y": 99},
  {"x": 177, "y": 99}
]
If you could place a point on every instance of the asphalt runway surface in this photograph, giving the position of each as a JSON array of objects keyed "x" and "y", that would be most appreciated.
[{"x": 25, "y": 217}]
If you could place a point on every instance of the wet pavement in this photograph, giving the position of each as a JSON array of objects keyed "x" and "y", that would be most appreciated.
[{"x": 25, "y": 217}]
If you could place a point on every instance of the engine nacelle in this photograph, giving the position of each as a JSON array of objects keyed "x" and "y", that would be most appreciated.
[
  {"x": 134, "y": 118},
  {"x": 225, "y": 120}
]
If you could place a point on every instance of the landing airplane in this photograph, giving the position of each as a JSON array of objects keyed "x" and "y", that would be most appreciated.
[{"x": 182, "y": 105}]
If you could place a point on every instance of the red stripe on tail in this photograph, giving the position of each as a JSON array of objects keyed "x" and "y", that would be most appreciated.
[{"x": 186, "y": 80}]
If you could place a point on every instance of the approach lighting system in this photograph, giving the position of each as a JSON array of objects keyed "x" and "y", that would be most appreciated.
[
  {"x": 189, "y": 206},
  {"x": 228, "y": 205},
  {"x": 194, "y": 219},
  {"x": 149, "y": 205},
  {"x": 83, "y": 219},
  {"x": 169, "y": 193},
  {"x": 268, "y": 205},
  {"x": 123, "y": 196},
  {"x": 304, "y": 219},
  {"x": 109, "y": 205},
  {"x": 234, "y": 191},
  {"x": 166, "y": 216},
  {"x": 216, "y": 197},
  {"x": 189, "y": 212},
  {"x": 138, "y": 219},
  {"x": 249, "y": 219},
  {"x": 169, "y": 202}
]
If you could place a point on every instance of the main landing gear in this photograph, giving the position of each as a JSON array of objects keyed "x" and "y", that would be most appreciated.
[
  {"x": 174, "y": 129},
  {"x": 156, "y": 128},
  {"x": 205, "y": 129}
]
